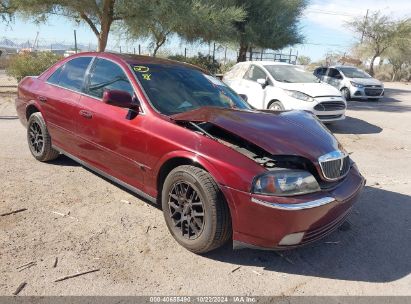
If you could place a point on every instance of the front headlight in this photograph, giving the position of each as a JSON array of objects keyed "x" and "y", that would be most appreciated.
[
  {"x": 299, "y": 95},
  {"x": 357, "y": 85},
  {"x": 285, "y": 182}
]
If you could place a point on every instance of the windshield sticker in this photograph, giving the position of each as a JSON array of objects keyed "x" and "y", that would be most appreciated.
[
  {"x": 141, "y": 68},
  {"x": 146, "y": 76}
]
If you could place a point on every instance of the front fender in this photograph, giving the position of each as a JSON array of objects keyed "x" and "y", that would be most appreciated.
[
  {"x": 208, "y": 166},
  {"x": 196, "y": 158}
]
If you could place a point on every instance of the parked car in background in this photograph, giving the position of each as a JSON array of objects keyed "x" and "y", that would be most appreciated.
[
  {"x": 181, "y": 138},
  {"x": 351, "y": 81},
  {"x": 281, "y": 86}
]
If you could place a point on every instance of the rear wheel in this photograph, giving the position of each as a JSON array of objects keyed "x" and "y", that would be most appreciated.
[
  {"x": 194, "y": 209},
  {"x": 39, "y": 139},
  {"x": 276, "y": 106},
  {"x": 346, "y": 93}
]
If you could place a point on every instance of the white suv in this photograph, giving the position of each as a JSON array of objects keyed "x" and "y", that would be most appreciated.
[
  {"x": 280, "y": 86},
  {"x": 351, "y": 81}
]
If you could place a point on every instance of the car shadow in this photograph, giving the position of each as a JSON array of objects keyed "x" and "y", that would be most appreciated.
[
  {"x": 351, "y": 125},
  {"x": 374, "y": 247},
  {"x": 389, "y": 103},
  {"x": 65, "y": 161}
]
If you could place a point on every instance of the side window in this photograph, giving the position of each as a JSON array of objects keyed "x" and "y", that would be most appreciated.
[
  {"x": 320, "y": 71},
  {"x": 334, "y": 73},
  {"x": 107, "y": 75},
  {"x": 236, "y": 72},
  {"x": 255, "y": 73},
  {"x": 71, "y": 74}
]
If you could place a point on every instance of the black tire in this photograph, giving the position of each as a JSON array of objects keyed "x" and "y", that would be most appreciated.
[
  {"x": 346, "y": 94},
  {"x": 39, "y": 139},
  {"x": 276, "y": 106},
  {"x": 212, "y": 229}
]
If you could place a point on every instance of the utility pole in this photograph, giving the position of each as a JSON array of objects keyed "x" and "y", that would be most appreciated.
[
  {"x": 75, "y": 41},
  {"x": 365, "y": 23}
]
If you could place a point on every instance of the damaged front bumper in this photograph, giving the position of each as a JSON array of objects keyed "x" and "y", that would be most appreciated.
[{"x": 278, "y": 223}]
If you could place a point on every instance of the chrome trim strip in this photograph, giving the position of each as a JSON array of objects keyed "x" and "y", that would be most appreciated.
[
  {"x": 292, "y": 207},
  {"x": 142, "y": 112},
  {"x": 109, "y": 177}
]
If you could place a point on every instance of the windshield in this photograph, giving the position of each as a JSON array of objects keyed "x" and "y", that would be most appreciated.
[
  {"x": 289, "y": 73},
  {"x": 354, "y": 73},
  {"x": 176, "y": 89}
]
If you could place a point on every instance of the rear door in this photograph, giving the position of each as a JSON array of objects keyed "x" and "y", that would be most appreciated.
[
  {"x": 254, "y": 91},
  {"x": 59, "y": 98},
  {"x": 109, "y": 141}
]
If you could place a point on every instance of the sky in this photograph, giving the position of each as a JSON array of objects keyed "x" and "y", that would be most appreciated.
[{"x": 323, "y": 24}]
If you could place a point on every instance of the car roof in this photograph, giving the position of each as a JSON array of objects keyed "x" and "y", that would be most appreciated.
[
  {"x": 132, "y": 59},
  {"x": 343, "y": 66},
  {"x": 266, "y": 62}
]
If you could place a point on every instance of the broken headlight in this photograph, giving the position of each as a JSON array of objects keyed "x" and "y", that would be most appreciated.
[{"x": 285, "y": 182}]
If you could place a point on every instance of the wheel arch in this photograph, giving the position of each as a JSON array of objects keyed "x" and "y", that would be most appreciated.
[
  {"x": 272, "y": 101},
  {"x": 179, "y": 158},
  {"x": 30, "y": 109}
]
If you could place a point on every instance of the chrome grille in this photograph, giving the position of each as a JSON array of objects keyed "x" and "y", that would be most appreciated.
[
  {"x": 330, "y": 106},
  {"x": 334, "y": 165}
]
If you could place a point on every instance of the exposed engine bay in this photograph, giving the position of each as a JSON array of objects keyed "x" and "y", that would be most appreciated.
[
  {"x": 248, "y": 149},
  {"x": 254, "y": 152}
]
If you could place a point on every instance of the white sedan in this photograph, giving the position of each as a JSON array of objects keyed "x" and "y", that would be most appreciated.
[{"x": 280, "y": 86}]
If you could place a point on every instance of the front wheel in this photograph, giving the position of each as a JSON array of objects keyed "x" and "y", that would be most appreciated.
[
  {"x": 194, "y": 209},
  {"x": 276, "y": 106},
  {"x": 39, "y": 139}
]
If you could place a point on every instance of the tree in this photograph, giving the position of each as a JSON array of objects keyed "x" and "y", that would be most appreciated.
[
  {"x": 271, "y": 24},
  {"x": 191, "y": 19},
  {"x": 399, "y": 57},
  {"x": 380, "y": 32},
  {"x": 99, "y": 15},
  {"x": 304, "y": 60},
  {"x": 6, "y": 10}
]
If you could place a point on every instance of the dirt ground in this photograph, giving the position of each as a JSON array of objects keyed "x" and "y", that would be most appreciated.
[{"x": 88, "y": 223}]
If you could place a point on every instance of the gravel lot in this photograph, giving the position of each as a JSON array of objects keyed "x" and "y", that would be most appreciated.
[{"x": 89, "y": 223}]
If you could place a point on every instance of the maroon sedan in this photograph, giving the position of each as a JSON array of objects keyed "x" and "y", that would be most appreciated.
[{"x": 175, "y": 135}]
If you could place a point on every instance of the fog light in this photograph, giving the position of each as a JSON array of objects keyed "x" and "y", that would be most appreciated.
[{"x": 292, "y": 239}]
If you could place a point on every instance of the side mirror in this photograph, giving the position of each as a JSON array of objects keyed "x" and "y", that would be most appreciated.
[
  {"x": 263, "y": 82},
  {"x": 120, "y": 99}
]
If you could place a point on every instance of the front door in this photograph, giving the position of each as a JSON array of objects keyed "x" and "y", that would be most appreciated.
[
  {"x": 109, "y": 141},
  {"x": 334, "y": 77},
  {"x": 254, "y": 91}
]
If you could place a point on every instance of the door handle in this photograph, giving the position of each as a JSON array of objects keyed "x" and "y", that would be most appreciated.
[
  {"x": 42, "y": 99},
  {"x": 86, "y": 114}
]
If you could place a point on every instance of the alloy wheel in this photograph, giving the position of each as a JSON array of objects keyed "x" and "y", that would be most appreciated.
[
  {"x": 36, "y": 138},
  {"x": 275, "y": 106},
  {"x": 186, "y": 210}
]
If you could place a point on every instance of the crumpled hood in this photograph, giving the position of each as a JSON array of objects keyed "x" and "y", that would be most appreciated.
[
  {"x": 312, "y": 89},
  {"x": 279, "y": 133},
  {"x": 366, "y": 81}
]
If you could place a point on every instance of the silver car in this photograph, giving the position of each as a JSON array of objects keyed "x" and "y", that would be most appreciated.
[{"x": 351, "y": 81}]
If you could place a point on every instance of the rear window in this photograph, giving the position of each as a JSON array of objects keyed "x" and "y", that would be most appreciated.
[
  {"x": 71, "y": 74},
  {"x": 237, "y": 72}
]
